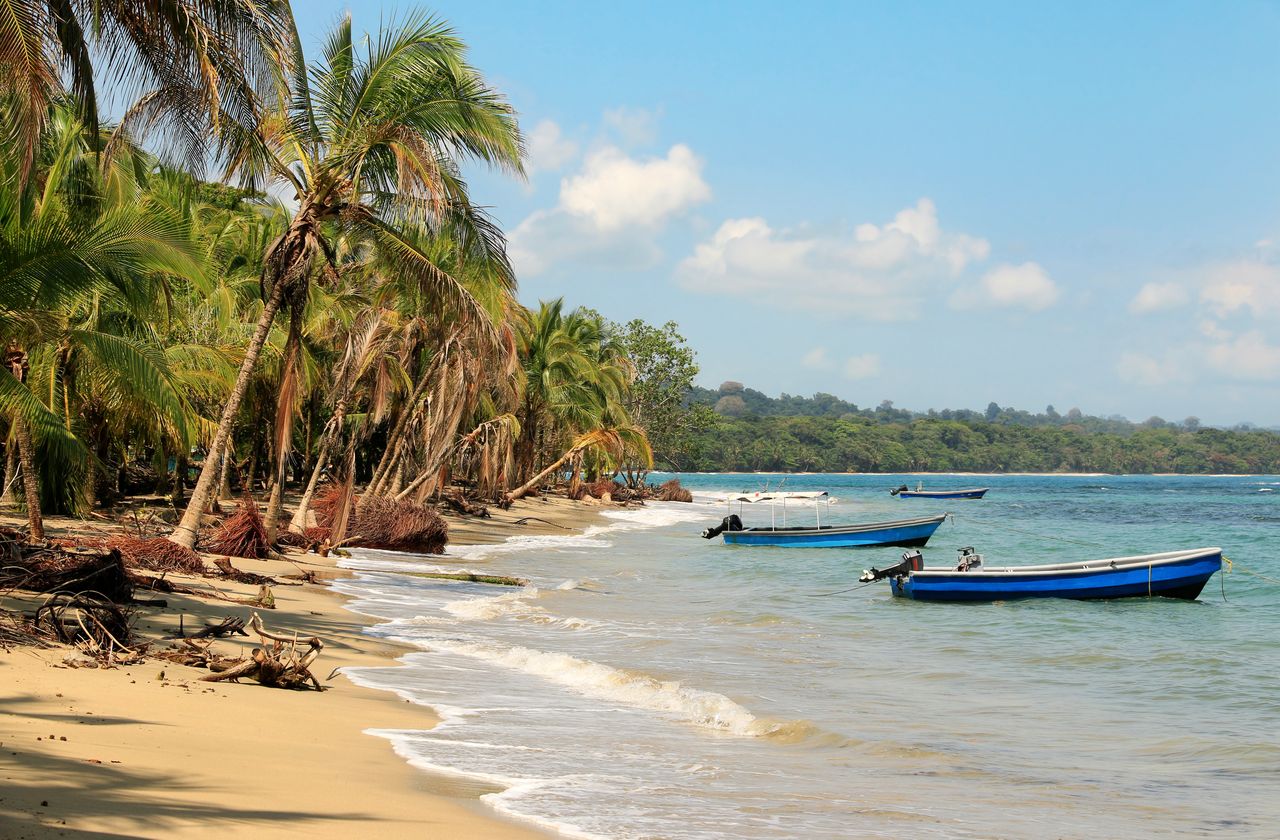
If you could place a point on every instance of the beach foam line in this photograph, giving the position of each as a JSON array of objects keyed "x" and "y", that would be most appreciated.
[
  {"x": 705, "y": 709},
  {"x": 511, "y": 789}
]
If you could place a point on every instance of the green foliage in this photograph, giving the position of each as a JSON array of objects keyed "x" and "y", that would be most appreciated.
[
  {"x": 861, "y": 444},
  {"x": 664, "y": 370}
]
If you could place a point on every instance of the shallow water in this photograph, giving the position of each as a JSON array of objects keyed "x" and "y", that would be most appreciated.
[{"x": 652, "y": 684}]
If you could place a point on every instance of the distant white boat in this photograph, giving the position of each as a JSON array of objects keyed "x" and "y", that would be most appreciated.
[{"x": 774, "y": 496}]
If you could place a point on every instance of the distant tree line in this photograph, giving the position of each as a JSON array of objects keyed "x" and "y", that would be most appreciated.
[{"x": 826, "y": 434}]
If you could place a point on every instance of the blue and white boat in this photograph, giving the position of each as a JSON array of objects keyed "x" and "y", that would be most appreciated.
[
  {"x": 1172, "y": 574},
  {"x": 904, "y": 492},
  {"x": 903, "y": 532}
]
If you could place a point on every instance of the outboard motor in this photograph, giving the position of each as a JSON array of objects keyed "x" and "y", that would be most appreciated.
[
  {"x": 912, "y": 561},
  {"x": 968, "y": 559},
  {"x": 898, "y": 490},
  {"x": 732, "y": 522}
]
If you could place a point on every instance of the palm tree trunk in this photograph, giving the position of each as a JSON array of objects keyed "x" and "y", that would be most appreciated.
[
  {"x": 30, "y": 481},
  {"x": 332, "y": 430},
  {"x": 284, "y": 424},
  {"x": 523, "y": 490},
  {"x": 391, "y": 453},
  {"x": 9, "y": 496},
  {"x": 185, "y": 533}
]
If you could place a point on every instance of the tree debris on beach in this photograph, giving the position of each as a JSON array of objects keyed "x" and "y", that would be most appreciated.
[
  {"x": 279, "y": 663},
  {"x": 242, "y": 534},
  {"x": 671, "y": 491}
]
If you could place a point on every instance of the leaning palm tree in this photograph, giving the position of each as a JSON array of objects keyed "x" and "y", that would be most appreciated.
[{"x": 370, "y": 142}]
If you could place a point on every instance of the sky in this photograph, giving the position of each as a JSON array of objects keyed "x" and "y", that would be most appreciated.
[{"x": 938, "y": 204}]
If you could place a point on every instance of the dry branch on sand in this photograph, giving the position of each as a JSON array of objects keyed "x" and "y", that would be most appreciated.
[
  {"x": 280, "y": 662},
  {"x": 242, "y": 534},
  {"x": 52, "y": 568}
]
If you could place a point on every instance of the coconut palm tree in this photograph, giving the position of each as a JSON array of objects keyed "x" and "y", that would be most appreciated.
[
  {"x": 369, "y": 141},
  {"x": 189, "y": 62},
  {"x": 79, "y": 244}
]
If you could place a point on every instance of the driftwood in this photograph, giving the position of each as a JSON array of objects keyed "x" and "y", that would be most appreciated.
[
  {"x": 459, "y": 504},
  {"x": 88, "y": 621},
  {"x": 498, "y": 580},
  {"x": 229, "y": 626},
  {"x": 279, "y": 664},
  {"x": 232, "y": 573}
]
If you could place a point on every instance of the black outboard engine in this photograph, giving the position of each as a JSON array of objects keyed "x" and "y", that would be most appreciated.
[
  {"x": 732, "y": 522},
  {"x": 912, "y": 561},
  {"x": 898, "y": 490}
]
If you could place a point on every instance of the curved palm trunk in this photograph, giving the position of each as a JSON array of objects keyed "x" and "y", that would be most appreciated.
[
  {"x": 185, "y": 533},
  {"x": 284, "y": 425},
  {"x": 30, "y": 481},
  {"x": 331, "y": 431},
  {"x": 523, "y": 490}
]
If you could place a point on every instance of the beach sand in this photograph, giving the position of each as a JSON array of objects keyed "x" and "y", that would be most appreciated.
[{"x": 149, "y": 751}]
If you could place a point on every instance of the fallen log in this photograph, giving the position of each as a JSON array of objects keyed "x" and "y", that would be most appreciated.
[
  {"x": 232, "y": 573},
  {"x": 497, "y": 580}
]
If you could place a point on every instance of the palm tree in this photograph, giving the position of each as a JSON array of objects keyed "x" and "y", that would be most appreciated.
[
  {"x": 370, "y": 144},
  {"x": 189, "y": 61},
  {"x": 79, "y": 244}
]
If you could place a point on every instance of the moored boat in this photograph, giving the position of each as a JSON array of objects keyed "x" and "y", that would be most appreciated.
[
  {"x": 1172, "y": 574},
  {"x": 904, "y": 492},
  {"x": 903, "y": 532}
]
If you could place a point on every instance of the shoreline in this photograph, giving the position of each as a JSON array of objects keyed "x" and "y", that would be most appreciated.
[{"x": 147, "y": 750}]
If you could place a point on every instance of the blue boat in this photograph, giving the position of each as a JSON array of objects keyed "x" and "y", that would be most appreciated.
[
  {"x": 1172, "y": 574},
  {"x": 920, "y": 493},
  {"x": 903, "y": 532}
]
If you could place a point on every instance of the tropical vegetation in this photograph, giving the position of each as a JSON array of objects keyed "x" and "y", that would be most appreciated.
[{"x": 334, "y": 308}]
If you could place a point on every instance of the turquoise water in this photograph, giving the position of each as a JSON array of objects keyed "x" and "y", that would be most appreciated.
[{"x": 653, "y": 684}]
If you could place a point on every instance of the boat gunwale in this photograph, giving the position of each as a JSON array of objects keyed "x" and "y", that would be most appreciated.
[
  {"x": 1083, "y": 567},
  {"x": 801, "y": 530}
]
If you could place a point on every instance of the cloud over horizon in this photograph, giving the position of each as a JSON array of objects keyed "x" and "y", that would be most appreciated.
[{"x": 877, "y": 272}]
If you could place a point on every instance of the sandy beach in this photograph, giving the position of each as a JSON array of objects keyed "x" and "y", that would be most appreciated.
[{"x": 150, "y": 751}]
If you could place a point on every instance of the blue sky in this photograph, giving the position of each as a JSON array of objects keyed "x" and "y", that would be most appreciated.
[{"x": 939, "y": 204}]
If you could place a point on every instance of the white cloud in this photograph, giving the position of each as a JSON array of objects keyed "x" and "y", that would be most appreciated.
[
  {"x": 1142, "y": 369},
  {"x": 816, "y": 358},
  {"x": 614, "y": 190},
  {"x": 549, "y": 150},
  {"x": 610, "y": 211},
  {"x": 1155, "y": 297},
  {"x": 1025, "y": 286},
  {"x": 879, "y": 272},
  {"x": 1246, "y": 356},
  {"x": 1247, "y": 285},
  {"x": 633, "y": 126},
  {"x": 862, "y": 367}
]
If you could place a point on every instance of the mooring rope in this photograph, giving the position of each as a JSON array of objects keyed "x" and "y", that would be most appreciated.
[
  {"x": 840, "y": 591},
  {"x": 1231, "y": 567}
]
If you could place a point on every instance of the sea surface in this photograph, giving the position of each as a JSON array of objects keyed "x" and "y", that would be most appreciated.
[{"x": 652, "y": 684}]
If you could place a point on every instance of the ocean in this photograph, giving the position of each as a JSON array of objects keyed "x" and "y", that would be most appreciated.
[{"x": 652, "y": 684}]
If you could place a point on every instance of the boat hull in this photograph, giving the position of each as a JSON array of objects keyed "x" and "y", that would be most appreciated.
[
  {"x": 976, "y": 493},
  {"x": 1172, "y": 575},
  {"x": 907, "y": 532}
]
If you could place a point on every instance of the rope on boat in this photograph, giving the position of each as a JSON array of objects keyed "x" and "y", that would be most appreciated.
[
  {"x": 1231, "y": 567},
  {"x": 839, "y": 591}
]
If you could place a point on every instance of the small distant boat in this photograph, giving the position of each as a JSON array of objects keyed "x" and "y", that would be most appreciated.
[
  {"x": 903, "y": 532},
  {"x": 775, "y": 496},
  {"x": 1171, "y": 574},
  {"x": 904, "y": 492}
]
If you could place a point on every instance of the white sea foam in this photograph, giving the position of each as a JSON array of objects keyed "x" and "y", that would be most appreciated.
[
  {"x": 701, "y": 708},
  {"x": 531, "y": 543}
]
